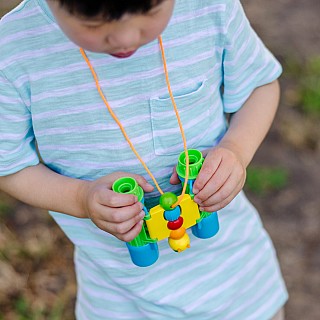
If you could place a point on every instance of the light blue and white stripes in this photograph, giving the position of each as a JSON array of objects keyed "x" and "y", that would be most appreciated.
[{"x": 47, "y": 93}]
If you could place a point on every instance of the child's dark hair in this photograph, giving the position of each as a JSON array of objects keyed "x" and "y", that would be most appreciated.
[{"x": 107, "y": 9}]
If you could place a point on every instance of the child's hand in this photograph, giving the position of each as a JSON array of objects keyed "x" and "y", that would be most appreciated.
[
  {"x": 220, "y": 179},
  {"x": 118, "y": 214}
]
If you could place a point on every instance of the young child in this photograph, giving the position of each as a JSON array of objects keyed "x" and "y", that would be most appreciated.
[{"x": 217, "y": 66}]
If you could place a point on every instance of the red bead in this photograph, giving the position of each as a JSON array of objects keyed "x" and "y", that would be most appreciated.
[{"x": 176, "y": 224}]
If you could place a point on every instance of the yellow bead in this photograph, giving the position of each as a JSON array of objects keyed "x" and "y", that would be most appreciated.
[{"x": 180, "y": 244}]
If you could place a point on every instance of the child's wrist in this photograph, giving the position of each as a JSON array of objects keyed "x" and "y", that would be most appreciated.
[{"x": 81, "y": 198}]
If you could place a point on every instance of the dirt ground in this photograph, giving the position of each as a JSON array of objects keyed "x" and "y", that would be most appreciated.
[{"x": 291, "y": 29}]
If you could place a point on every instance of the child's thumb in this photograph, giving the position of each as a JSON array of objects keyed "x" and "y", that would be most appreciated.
[
  {"x": 174, "y": 179},
  {"x": 143, "y": 183}
]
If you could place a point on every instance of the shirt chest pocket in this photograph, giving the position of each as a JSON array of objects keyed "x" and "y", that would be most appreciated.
[{"x": 197, "y": 112}]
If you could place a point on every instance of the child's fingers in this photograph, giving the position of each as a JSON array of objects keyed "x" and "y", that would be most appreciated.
[
  {"x": 118, "y": 221},
  {"x": 222, "y": 197},
  {"x": 120, "y": 215},
  {"x": 131, "y": 234},
  {"x": 113, "y": 199},
  {"x": 174, "y": 179},
  {"x": 142, "y": 182},
  {"x": 125, "y": 231},
  {"x": 214, "y": 174},
  {"x": 125, "y": 226},
  {"x": 217, "y": 180},
  {"x": 209, "y": 167}
]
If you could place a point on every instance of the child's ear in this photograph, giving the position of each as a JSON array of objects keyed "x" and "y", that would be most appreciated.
[{"x": 174, "y": 177}]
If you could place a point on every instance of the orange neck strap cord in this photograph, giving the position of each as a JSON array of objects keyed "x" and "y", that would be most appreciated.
[{"x": 85, "y": 57}]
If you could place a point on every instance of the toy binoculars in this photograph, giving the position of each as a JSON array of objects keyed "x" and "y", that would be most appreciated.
[{"x": 163, "y": 221}]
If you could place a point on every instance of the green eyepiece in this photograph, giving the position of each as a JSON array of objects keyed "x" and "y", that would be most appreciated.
[
  {"x": 128, "y": 185},
  {"x": 195, "y": 163}
]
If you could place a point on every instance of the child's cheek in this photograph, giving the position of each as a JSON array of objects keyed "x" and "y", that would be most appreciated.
[{"x": 88, "y": 42}]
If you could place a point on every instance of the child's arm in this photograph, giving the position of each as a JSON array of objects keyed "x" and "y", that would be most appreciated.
[
  {"x": 118, "y": 214},
  {"x": 224, "y": 170}
]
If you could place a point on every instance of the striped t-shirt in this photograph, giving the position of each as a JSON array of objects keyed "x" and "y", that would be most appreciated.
[{"x": 47, "y": 95}]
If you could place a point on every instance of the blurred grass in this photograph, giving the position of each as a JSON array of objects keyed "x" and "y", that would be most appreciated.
[
  {"x": 310, "y": 87},
  {"x": 261, "y": 180},
  {"x": 5, "y": 209},
  {"x": 25, "y": 311},
  {"x": 301, "y": 98},
  {"x": 307, "y": 84},
  {"x": 36, "y": 270}
]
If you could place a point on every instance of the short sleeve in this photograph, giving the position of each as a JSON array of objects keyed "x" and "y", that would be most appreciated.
[
  {"x": 17, "y": 141},
  {"x": 247, "y": 63}
]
